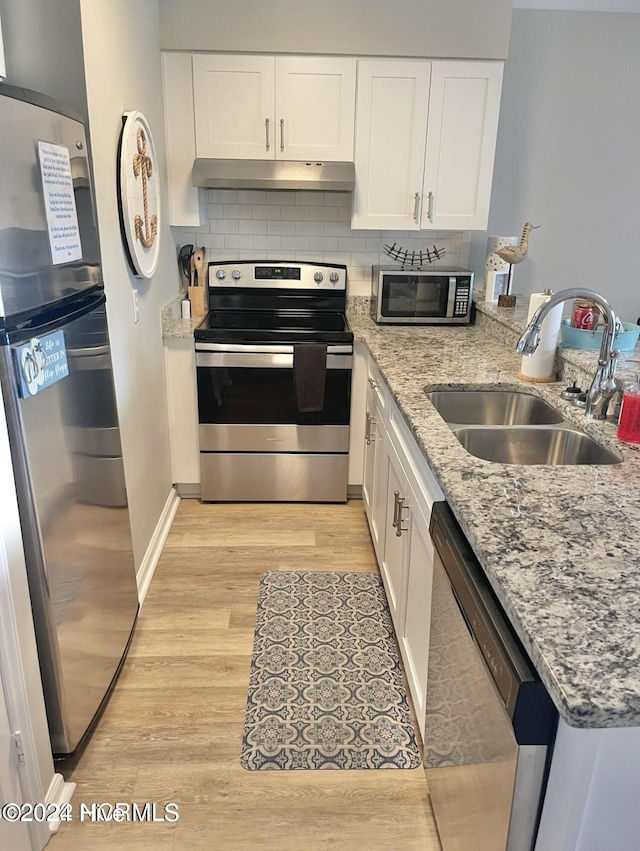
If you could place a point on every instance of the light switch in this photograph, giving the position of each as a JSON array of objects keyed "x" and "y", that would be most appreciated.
[{"x": 136, "y": 306}]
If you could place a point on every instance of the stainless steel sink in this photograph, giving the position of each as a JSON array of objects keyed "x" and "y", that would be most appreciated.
[
  {"x": 517, "y": 445},
  {"x": 492, "y": 407}
]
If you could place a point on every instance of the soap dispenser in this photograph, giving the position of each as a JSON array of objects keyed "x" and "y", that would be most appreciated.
[{"x": 629, "y": 421}]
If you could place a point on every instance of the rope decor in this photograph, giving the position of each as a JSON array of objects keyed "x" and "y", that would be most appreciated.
[{"x": 143, "y": 166}]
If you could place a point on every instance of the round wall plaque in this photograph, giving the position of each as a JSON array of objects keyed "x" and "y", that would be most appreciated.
[{"x": 139, "y": 194}]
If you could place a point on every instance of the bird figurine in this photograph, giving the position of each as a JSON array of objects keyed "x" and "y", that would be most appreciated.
[{"x": 516, "y": 253}]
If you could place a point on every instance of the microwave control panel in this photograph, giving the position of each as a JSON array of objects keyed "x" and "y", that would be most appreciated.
[{"x": 463, "y": 291}]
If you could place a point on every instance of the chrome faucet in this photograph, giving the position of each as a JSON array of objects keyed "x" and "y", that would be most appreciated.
[{"x": 603, "y": 385}]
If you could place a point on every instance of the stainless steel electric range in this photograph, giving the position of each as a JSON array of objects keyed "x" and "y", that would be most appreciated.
[{"x": 273, "y": 360}]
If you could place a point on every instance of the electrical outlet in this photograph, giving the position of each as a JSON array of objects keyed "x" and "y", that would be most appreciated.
[{"x": 136, "y": 307}]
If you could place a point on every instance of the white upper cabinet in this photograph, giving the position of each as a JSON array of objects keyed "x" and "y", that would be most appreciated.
[
  {"x": 425, "y": 144},
  {"x": 234, "y": 106},
  {"x": 391, "y": 129},
  {"x": 461, "y": 139},
  {"x": 315, "y": 108},
  {"x": 265, "y": 107}
]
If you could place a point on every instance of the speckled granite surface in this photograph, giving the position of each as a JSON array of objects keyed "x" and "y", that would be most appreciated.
[
  {"x": 559, "y": 544},
  {"x": 173, "y": 325}
]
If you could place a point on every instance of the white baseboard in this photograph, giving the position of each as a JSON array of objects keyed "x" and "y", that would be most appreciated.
[
  {"x": 154, "y": 550},
  {"x": 58, "y": 793}
]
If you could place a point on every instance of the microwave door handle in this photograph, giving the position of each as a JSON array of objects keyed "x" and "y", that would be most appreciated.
[{"x": 451, "y": 297}]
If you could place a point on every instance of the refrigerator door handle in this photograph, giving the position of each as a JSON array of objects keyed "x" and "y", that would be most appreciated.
[{"x": 24, "y": 331}]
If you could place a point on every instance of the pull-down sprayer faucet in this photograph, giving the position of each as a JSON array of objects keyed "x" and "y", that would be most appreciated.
[{"x": 603, "y": 385}]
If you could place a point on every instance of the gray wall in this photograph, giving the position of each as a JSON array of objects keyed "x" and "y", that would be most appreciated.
[
  {"x": 568, "y": 156},
  {"x": 43, "y": 48},
  {"x": 455, "y": 28}
]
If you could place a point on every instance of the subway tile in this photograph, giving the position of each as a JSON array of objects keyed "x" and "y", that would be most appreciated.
[
  {"x": 311, "y": 257},
  {"x": 267, "y": 243},
  {"x": 358, "y": 288},
  {"x": 182, "y": 236},
  {"x": 222, "y": 255},
  {"x": 323, "y": 214},
  {"x": 251, "y": 196},
  {"x": 281, "y": 228},
  {"x": 223, "y": 196},
  {"x": 273, "y": 196},
  {"x": 348, "y": 243},
  {"x": 233, "y": 240},
  {"x": 309, "y": 199},
  {"x": 214, "y": 211},
  {"x": 359, "y": 273},
  {"x": 338, "y": 257},
  {"x": 280, "y": 254},
  {"x": 310, "y": 228},
  {"x": 323, "y": 243},
  {"x": 295, "y": 243},
  {"x": 266, "y": 212},
  {"x": 212, "y": 240},
  {"x": 293, "y": 214},
  {"x": 336, "y": 229},
  {"x": 252, "y": 226},
  {"x": 232, "y": 211},
  {"x": 364, "y": 258},
  {"x": 337, "y": 199},
  {"x": 373, "y": 245},
  {"x": 344, "y": 214},
  {"x": 223, "y": 226}
]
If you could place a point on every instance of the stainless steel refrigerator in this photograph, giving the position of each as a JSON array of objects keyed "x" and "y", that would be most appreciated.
[{"x": 58, "y": 389}]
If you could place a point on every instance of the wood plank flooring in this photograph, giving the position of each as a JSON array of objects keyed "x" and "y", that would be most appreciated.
[{"x": 173, "y": 727}]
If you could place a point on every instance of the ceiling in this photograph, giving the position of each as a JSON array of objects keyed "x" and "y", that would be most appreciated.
[{"x": 580, "y": 5}]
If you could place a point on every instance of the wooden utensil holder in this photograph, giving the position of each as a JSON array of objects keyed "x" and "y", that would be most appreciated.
[{"x": 196, "y": 297}]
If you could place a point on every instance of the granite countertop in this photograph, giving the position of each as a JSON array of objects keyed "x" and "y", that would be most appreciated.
[{"x": 558, "y": 544}]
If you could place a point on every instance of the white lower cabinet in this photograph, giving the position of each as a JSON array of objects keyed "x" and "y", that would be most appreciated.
[{"x": 399, "y": 490}]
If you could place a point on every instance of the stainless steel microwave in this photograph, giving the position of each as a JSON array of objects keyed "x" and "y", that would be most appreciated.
[{"x": 428, "y": 297}]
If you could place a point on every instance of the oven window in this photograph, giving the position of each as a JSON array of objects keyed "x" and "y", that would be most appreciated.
[
  {"x": 414, "y": 295},
  {"x": 256, "y": 395}
]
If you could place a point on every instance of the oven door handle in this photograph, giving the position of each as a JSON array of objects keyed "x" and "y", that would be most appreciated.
[
  {"x": 248, "y": 348},
  {"x": 263, "y": 360}
]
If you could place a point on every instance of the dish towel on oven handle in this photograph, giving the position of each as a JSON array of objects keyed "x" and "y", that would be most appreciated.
[{"x": 309, "y": 376}]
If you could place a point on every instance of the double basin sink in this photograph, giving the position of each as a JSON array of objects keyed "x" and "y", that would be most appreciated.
[{"x": 514, "y": 427}]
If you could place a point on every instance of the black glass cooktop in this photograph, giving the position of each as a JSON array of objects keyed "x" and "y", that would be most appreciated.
[{"x": 273, "y": 326}]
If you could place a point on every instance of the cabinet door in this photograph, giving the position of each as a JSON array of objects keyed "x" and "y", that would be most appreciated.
[
  {"x": 184, "y": 202},
  {"x": 391, "y": 126},
  {"x": 393, "y": 562},
  {"x": 414, "y": 640},
  {"x": 315, "y": 108},
  {"x": 234, "y": 106},
  {"x": 374, "y": 486},
  {"x": 461, "y": 138}
]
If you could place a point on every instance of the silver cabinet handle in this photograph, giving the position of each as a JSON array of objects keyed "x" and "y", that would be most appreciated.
[
  {"x": 401, "y": 507},
  {"x": 282, "y": 134},
  {"x": 266, "y": 130},
  {"x": 367, "y": 429},
  {"x": 416, "y": 208},
  {"x": 431, "y": 198},
  {"x": 396, "y": 494},
  {"x": 372, "y": 382}
]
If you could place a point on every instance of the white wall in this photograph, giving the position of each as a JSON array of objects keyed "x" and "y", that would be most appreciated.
[
  {"x": 567, "y": 154},
  {"x": 123, "y": 73},
  {"x": 443, "y": 28}
]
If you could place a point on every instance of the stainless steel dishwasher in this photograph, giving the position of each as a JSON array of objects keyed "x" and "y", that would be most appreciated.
[{"x": 490, "y": 722}]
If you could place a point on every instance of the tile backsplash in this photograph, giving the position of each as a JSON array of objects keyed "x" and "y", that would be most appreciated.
[{"x": 302, "y": 225}]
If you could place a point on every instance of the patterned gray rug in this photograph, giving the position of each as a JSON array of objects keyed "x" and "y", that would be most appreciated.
[{"x": 326, "y": 688}]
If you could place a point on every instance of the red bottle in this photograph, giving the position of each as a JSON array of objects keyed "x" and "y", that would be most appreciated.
[{"x": 629, "y": 422}]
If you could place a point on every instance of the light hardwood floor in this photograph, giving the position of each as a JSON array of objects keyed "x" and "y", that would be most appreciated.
[{"x": 173, "y": 727}]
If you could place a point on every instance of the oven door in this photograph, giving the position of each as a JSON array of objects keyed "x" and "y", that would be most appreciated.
[
  {"x": 247, "y": 400},
  {"x": 416, "y": 297}
]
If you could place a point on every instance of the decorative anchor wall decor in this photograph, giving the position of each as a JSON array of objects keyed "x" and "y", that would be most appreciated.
[
  {"x": 143, "y": 166},
  {"x": 139, "y": 195}
]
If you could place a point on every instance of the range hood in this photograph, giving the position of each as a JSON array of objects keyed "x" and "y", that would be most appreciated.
[{"x": 273, "y": 174}]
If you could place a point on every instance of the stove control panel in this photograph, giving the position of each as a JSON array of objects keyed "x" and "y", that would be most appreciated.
[{"x": 286, "y": 275}]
